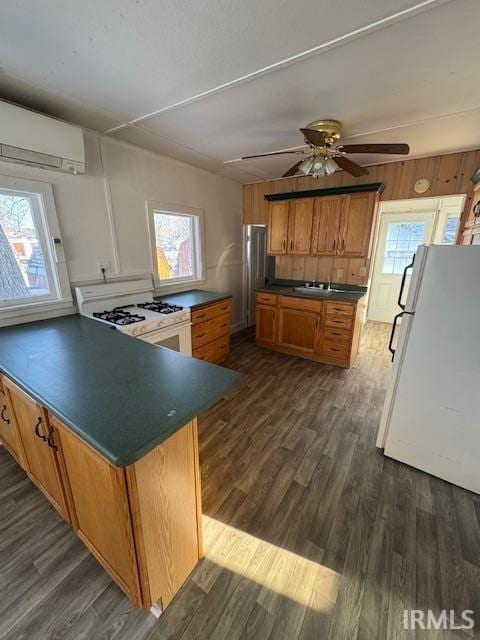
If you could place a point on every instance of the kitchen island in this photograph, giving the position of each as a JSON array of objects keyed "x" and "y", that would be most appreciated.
[{"x": 105, "y": 426}]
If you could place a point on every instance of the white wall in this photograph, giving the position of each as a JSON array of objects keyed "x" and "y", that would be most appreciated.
[{"x": 103, "y": 219}]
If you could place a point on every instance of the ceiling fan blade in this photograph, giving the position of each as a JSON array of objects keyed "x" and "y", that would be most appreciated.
[
  {"x": 272, "y": 153},
  {"x": 317, "y": 138},
  {"x": 351, "y": 167},
  {"x": 293, "y": 170},
  {"x": 400, "y": 149}
]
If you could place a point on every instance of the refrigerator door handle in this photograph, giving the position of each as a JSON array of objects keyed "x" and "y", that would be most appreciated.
[
  {"x": 394, "y": 327},
  {"x": 402, "y": 286}
]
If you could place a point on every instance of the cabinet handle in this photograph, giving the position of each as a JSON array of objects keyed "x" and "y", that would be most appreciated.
[
  {"x": 3, "y": 414},
  {"x": 51, "y": 441},
  {"x": 200, "y": 335},
  {"x": 291, "y": 245},
  {"x": 284, "y": 243},
  {"x": 343, "y": 244},
  {"x": 36, "y": 429},
  {"x": 334, "y": 245}
]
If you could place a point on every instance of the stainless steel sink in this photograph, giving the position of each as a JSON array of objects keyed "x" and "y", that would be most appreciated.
[{"x": 314, "y": 291}]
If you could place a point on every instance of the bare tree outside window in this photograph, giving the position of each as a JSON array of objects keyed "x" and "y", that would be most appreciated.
[{"x": 22, "y": 265}]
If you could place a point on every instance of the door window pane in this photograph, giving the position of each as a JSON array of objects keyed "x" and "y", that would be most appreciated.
[
  {"x": 176, "y": 251},
  {"x": 403, "y": 239},
  {"x": 23, "y": 272}
]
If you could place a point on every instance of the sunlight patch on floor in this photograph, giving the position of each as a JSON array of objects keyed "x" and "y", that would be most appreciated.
[{"x": 279, "y": 572}]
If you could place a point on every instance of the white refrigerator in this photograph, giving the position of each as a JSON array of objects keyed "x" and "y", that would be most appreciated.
[{"x": 431, "y": 417}]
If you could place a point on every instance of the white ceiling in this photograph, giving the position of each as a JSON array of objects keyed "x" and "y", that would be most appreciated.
[{"x": 170, "y": 75}]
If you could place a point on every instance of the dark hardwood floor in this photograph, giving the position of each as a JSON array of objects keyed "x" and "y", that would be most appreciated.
[{"x": 309, "y": 531}]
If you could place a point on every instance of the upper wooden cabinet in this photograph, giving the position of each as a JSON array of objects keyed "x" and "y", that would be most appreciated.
[
  {"x": 300, "y": 219},
  {"x": 278, "y": 227},
  {"x": 356, "y": 226},
  {"x": 328, "y": 212},
  {"x": 340, "y": 225}
]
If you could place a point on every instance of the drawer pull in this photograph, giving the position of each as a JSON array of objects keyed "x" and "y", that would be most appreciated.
[
  {"x": 50, "y": 440},
  {"x": 200, "y": 335},
  {"x": 223, "y": 326},
  {"x": 36, "y": 430},
  {"x": 3, "y": 414}
]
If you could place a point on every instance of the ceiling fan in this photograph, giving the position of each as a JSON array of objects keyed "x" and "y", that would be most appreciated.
[{"x": 324, "y": 157}]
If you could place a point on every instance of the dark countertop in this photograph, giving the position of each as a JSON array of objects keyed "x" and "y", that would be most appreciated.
[
  {"x": 120, "y": 394},
  {"x": 284, "y": 290},
  {"x": 194, "y": 298}
]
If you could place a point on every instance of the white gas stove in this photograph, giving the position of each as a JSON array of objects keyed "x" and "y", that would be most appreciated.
[{"x": 130, "y": 308}]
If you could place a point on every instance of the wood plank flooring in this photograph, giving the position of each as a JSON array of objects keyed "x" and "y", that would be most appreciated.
[{"x": 310, "y": 533}]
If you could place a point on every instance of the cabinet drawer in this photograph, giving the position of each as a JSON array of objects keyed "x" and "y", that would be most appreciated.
[
  {"x": 340, "y": 309},
  {"x": 337, "y": 334},
  {"x": 338, "y": 322},
  {"x": 216, "y": 351},
  {"x": 211, "y": 311},
  {"x": 206, "y": 332},
  {"x": 302, "y": 304},
  {"x": 334, "y": 350},
  {"x": 267, "y": 298}
]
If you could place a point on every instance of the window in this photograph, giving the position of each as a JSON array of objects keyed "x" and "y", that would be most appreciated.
[
  {"x": 176, "y": 245},
  {"x": 450, "y": 229},
  {"x": 403, "y": 239},
  {"x": 29, "y": 272}
]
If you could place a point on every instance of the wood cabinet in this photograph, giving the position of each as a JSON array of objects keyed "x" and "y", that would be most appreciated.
[
  {"x": 38, "y": 440},
  {"x": 266, "y": 323},
  {"x": 277, "y": 235},
  {"x": 100, "y": 510},
  {"x": 340, "y": 225},
  {"x": 327, "y": 215},
  {"x": 142, "y": 522},
  {"x": 471, "y": 232},
  {"x": 8, "y": 428},
  {"x": 211, "y": 331},
  {"x": 356, "y": 225},
  {"x": 300, "y": 219},
  {"x": 322, "y": 330}
]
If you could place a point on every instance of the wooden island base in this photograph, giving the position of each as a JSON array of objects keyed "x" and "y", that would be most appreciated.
[{"x": 142, "y": 522}]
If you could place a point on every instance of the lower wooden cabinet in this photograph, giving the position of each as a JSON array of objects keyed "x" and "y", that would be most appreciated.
[
  {"x": 8, "y": 428},
  {"x": 321, "y": 330},
  {"x": 211, "y": 331},
  {"x": 142, "y": 522},
  {"x": 37, "y": 437},
  {"x": 266, "y": 323},
  {"x": 298, "y": 329}
]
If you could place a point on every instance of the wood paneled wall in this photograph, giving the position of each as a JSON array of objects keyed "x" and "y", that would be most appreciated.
[{"x": 448, "y": 174}]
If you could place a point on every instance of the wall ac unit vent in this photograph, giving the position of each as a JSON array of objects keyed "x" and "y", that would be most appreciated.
[{"x": 37, "y": 140}]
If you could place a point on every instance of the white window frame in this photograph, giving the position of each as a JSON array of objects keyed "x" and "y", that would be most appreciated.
[
  {"x": 198, "y": 242},
  {"x": 45, "y": 218}
]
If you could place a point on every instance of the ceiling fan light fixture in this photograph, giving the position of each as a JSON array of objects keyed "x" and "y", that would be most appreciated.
[
  {"x": 330, "y": 166},
  {"x": 306, "y": 166}
]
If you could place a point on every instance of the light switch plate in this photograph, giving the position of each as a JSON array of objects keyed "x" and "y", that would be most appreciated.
[
  {"x": 339, "y": 273},
  {"x": 362, "y": 271}
]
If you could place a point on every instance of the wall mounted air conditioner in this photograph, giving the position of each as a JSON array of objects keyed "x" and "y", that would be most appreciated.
[{"x": 36, "y": 140}]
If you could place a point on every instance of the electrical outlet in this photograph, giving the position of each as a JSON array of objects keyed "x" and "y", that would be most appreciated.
[
  {"x": 362, "y": 271},
  {"x": 104, "y": 266},
  {"x": 339, "y": 274}
]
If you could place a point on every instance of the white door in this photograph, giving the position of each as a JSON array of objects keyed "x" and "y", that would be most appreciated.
[{"x": 398, "y": 238}]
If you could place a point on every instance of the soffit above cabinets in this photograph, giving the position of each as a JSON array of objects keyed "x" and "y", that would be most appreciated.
[{"x": 206, "y": 82}]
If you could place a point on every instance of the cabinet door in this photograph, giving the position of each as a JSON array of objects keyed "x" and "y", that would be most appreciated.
[
  {"x": 278, "y": 227},
  {"x": 356, "y": 227},
  {"x": 8, "y": 428},
  {"x": 101, "y": 513},
  {"x": 300, "y": 219},
  {"x": 37, "y": 438},
  {"x": 298, "y": 330},
  {"x": 326, "y": 224},
  {"x": 266, "y": 323}
]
